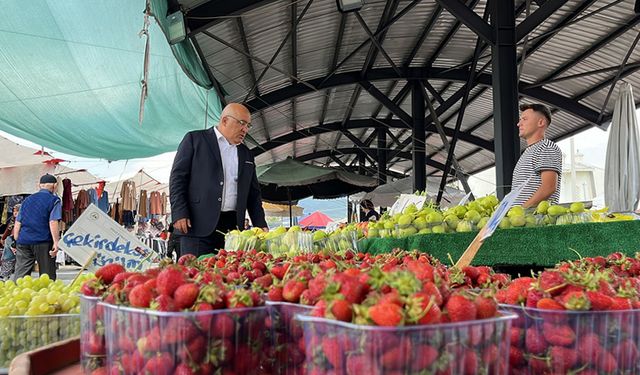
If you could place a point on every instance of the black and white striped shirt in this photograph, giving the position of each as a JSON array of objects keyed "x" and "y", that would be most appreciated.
[{"x": 543, "y": 155}]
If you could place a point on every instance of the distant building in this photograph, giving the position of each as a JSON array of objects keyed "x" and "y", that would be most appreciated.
[{"x": 588, "y": 184}]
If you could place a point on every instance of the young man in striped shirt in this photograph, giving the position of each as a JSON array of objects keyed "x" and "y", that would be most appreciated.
[{"x": 541, "y": 160}]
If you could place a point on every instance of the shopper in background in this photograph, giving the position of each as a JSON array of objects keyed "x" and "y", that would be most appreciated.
[
  {"x": 36, "y": 230},
  {"x": 9, "y": 247},
  {"x": 370, "y": 213}
]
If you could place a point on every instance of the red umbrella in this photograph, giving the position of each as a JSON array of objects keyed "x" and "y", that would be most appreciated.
[{"x": 316, "y": 220}]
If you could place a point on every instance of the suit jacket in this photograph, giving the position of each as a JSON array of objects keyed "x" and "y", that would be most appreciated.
[{"x": 196, "y": 184}]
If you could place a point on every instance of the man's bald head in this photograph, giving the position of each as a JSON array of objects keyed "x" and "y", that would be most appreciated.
[{"x": 235, "y": 122}]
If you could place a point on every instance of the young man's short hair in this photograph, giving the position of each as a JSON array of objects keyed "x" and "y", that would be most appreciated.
[{"x": 539, "y": 108}]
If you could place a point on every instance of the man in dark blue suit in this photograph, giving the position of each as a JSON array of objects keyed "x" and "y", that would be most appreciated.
[{"x": 213, "y": 182}]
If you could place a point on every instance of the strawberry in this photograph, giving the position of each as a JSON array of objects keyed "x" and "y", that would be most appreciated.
[
  {"x": 264, "y": 281},
  {"x": 92, "y": 288},
  {"x": 239, "y": 298},
  {"x": 353, "y": 290},
  {"x": 423, "y": 271},
  {"x": 275, "y": 294},
  {"x": 100, "y": 371},
  {"x": 549, "y": 304},
  {"x": 395, "y": 358},
  {"x": 627, "y": 354},
  {"x": 490, "y": 355},
  {"x": 332, "y": 352},
  {"x": 292, "y": 290},
  {"x": 515, "y": 335},
  {"x": 574, "y": 300},
  {"x": 485, "y": 307},
  {"x": 552, "y": 282},
  {"x": 93, "y": 344},
  {"x": 187, "y": 259},
  {"x": 223, "y": 326},
  {"x": 424, "y": 357},
  {"x": 534, "y": 341},
  {"x": 516, "y": 357},
  {"x": 563, "y": 359},
  {"x": 163, "y": 303},
  {"x": 599, "y": 300},
  {"x": 432, "y": 290},
  {"x": 183, "y": 369},
  {"x": 185, "y": 295},
  {"x": 386, "y": 314},
  {"x": 360, "y": 364},
  {"x": 140, "y": 296},
  {"x": 560, "y": 335},
  {"x": 280, "y": 270},
  {"x": 159, "y": 364},
  {"x": 169, "y": 280},
  {"x": 459, "y": 308},
  {"x": 108, "y": 272},
  {"x": 341, "y": 310},
  {"x": 606, "y": 362},
  {"x": 194, "y": 351},
  {"x": 588, "y": 347},
  {"x": 470, "y": 362},
  {"x": 179, "y": 330},
  {"x": 422, "y": 309},
  {"x": 620, "y": 303},
  {"x": 533, "y": 297}
]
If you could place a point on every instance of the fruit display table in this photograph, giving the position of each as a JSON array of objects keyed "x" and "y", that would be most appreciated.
[
  {"x": 61, "y": 358},
  {"x": 543, "y": 246}
]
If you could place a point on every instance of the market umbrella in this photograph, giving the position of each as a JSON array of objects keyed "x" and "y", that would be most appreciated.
[
  {"x": 622, "y": 167},
  {"x": 280, "y": 210},
  {"x": 291, "y": 180},
  {"x": 316, "y": 220}
]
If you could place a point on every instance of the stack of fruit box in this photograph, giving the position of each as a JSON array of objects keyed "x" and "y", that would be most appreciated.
[
  {"x": 92, "y": 343},
  {"x": 156, "y": 342},
  {"x": 568, "y": 341},
  {"x": 469, "y": 347}
]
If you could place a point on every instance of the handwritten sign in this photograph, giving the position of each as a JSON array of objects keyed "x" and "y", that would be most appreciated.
[
  {"x": 95, "y": 231},
  {"x": 405, "y": 200}
]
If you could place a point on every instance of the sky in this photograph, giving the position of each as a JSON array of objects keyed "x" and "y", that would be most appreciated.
[{"x": 592, "y": 144}]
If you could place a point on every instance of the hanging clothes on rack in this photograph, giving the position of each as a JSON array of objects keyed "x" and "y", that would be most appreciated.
[
  {"x": 67, "y": 201},
  {"x": 128, "y": 195},
  {"x": 103, "y": 201},
  {"x": 82, "y": 202},
  {"x": 164, "y": 204},
  {"x": 156, "y": 203},
  {"x": 100, "y": 189},
  {"x": 142, "y": 206},
  {"x": 93, "y": 196}
]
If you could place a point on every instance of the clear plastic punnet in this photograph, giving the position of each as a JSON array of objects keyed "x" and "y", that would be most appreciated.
[
  {"x": 207, "y": 342},
  {"x": 574, "y": 342},
  {"x": 287, "y": 351},
  {"x": 19, "y": 334},
  {"x": 472, "y": 347},
  {"x": 93, "y": 353}
]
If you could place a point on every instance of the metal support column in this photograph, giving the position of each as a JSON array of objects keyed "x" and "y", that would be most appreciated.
[
  {"x": 418, "y": 137},
  {"x": 505, "y": 93},
  {"x": 382, "y": 156},
  {"x": 361, "y": 165}
]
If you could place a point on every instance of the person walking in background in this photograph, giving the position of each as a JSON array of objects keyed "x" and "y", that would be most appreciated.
[
  {"x": 36, "y": 230},
  {"x": 370, "y": 213},
  {"x": 213, "y": 183},
  {"x": 8, "y": 245}
]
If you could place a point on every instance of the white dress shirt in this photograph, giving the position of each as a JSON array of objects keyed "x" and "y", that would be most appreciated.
[{"x": 229, "y": 155}]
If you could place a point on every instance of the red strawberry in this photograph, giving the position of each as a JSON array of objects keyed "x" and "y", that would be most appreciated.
[
  {"x": 516, "y": 357},
  {"x": 563, "y": 359},
  {"x": 239, "y": 298},
  {"x": 395, "y": 358},
  {"x": 183, "y": 369},
  {"x": 179, "y": 330},
  {"x": 620, "y": 303},
  {"x": 332, "y": 352},
  {"x": 360, "y": 364},
  {"x": 552, "y": 282},
  {"x": 535, "y": 342},
  {"x": 264, "y": 281},
  {"x": 459, "y": 308},
  {"x": 386, "y": 314},
  {"x": 341, "y": 310},
  {"x": 515, "y": 335},
  {"x": 486, "y": 307},
  {"x": 108, "y": 272},
  {"x": 93, "y": 344},
  {"x": 223, "y": 326},
  {"x": 424, "y": 357},
  {"x": 159, "y": 364},
  {"x": 423, "y": 271},
  {"x": 588, "y": 347},
  {"x": 292, "y": 290},
  {"x": 490, "y": 355},
  {"x": 561, "y": 335},
  {"x": 194, "y": 351},
  {"x": 606, "y": 362},
  {"x": 574, "y": 300},
  {"x": 470, "y": 362},
  {"x": 140, "y": 296},
  {"x": 280, "y": 270},
  {"x": 533, "y": 297},
  {"x": 432, "y": 290},
  {"x": 185, "y": 295},
  {"x": 100, "y": 371},
  {"x": 353, "y": 290},
  {"x": 599, "y": 300},
  {"x": 163, "y": 303},
  {"x": 549, "y": 304},
  {"x": 275, "y": 294},
  {"x": 92, "y": 287},
  {"x": 627, "y": 354},
  {"x": 169, "y": 280},
  {"x": 186, "y": 259},
  {"x": 422, "y": 309}
]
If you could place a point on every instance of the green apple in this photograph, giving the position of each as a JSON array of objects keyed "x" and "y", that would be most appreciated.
[
  {"x": 576, "y": 207},
  {"x": 473, "y": 216},
  {"x": 515, "y": 211},
  {"x": 505, "y": 223},
  {"x": 405, "y": 220},
  {"x": 373, "y": 233},
  {"x": 424, "y": 231},
  {"x": 464, "y": 226},
  {"x": 452, "y": 221},
  {"x": 434, "y": 217},
  {"x": 518, "y": 220},
  {"x": 420, "y": 223},
  {"x": 483, "y": 221},
  {"x": 389, "y": 225},
  {"x": 542, "y": 208},
  {"x": 438, "y": 229},
  {"x": 408, "y": 231},
  {"x": 460, "y": 211}
]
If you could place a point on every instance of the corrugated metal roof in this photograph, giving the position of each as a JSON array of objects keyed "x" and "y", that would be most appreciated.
[{"x": 448, "y": 45}]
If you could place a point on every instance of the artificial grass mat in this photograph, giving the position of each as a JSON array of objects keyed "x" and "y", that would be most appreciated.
[{"x": 544, "y": 246}]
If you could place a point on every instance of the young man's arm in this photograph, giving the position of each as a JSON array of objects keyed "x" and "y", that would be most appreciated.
[{"x": 546, "y": 189}]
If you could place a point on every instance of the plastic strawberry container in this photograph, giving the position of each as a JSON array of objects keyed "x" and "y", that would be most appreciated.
[
  {"x": 472, "y": 347},
  {"x": 93, "y": 353},
  {"x": 287, "y": 351},
  {"x": 602, "y": 342},
  {"x": 217, "y": 341},
  {"x": 19, "y": 334}
]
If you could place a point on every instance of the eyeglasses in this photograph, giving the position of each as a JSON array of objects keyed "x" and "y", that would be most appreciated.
[{"x": 241, "y": 122}]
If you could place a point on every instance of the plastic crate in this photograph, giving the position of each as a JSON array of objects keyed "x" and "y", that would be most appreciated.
[
  {"x": 567, "y": 341},
  {"x": 146, "y": 341},
  {"x": 19, "y": 334},
  {"x": 93, "y": 352},
  {"x": 473, "y": 347},
  {"x": 291, "y": 243},
  {"x": 287, "y": 351}
]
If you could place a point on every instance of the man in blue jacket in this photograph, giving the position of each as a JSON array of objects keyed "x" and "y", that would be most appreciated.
[
  {"x": 213, "y": 183},
  {"x": 36, "y": 230}
]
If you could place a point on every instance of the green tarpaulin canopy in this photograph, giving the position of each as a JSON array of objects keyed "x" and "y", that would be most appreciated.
[{"x": 71, "y": 80}]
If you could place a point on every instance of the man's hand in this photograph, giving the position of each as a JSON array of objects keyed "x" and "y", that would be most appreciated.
[
  {"x": 54, "y": 250},
  {"x": 265, "y": 229},
  {"x": 183, "y": 225}
]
